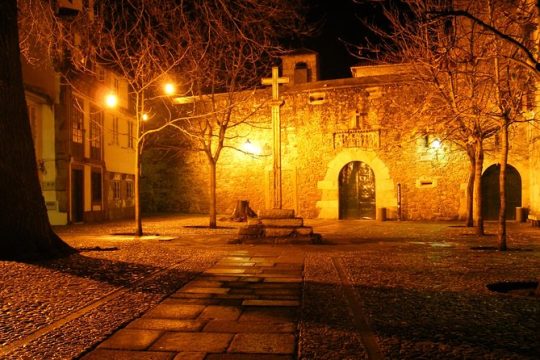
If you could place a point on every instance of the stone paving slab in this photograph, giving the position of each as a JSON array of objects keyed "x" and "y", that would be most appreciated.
[
  {"x": 205, "y": 290},
  {"x": 245, "y": 307},
  {"x": 175, "y": 311},
  {"x": 107, "y": 354},
  {"x": 283, "y": 279},
  {"x": 202, "y": 342},
  {"x": 223, "y": 326},
  {"x": 248, "y": 357},
  {"x": 270, "y": 303},
  {"x": 190, "y": 356},
  {"x": 221, "y": 312},
  {"x": 166, "y": 324},
  {"x": 130, "y": 339}
]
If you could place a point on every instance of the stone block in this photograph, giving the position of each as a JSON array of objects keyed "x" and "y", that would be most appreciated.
[
  {"x": 263, "y": 343},
  {"x": 205, "y": 290},
  {"x": 174, "y": 311},
  {"x": 224, "y": 271},
  {"x": 250, "y": 230},
  {"x": 276, "y": 214},
  {"x": 278, "y": 232},
  {"x": 290, "y": 222},
  {"x": 238, "y": 356},
  {"x": 283, "y": 279},
  {"x": 131, "y": 339},
  {"x": 107, "y": 354},
  {"x": 304, "y": 230},
  {"x": 220, "y": 313},
  {"x": 166, "y": 324},
  {"x": 253, "y": 221},
  {"x": 190, "y": 356},
  {"x": 202, "y": 283},
  {"x": 235, "y": 327},
  {"x": 193, "y": 342},
  {"x": 257, "y": 302}
]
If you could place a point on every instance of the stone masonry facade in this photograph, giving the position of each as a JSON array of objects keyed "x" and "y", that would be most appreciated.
[{"x": 325, "y": 126}]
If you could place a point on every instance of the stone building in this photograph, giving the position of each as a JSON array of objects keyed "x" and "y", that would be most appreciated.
[
  {"x": 84, "y": 149},
  {"x": 345, "y": 154}
]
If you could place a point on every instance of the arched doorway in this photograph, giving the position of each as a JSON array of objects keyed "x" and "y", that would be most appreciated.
[
  {"x": 356, "y": 191},
  {"x": 490, "y": 192}
]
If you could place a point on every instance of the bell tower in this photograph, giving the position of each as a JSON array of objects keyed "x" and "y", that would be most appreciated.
[{"x": 301, "y": 66}]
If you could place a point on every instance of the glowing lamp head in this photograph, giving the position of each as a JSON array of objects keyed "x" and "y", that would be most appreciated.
[
  {"x": 169, "y": 88},
  {"x": 436, "y": 144},
  {"x": 251, "y": 148},
  {"x": 144, "y": 117},
  {"x": 111, "y": 100}
]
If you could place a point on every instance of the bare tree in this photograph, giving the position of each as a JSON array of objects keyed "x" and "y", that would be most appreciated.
[
  {"x": 232, "y": 44},
  {"x": 26, "y": 231},
  {"x": 512, "y": 77},
  {"x": 145, "y": 41}
]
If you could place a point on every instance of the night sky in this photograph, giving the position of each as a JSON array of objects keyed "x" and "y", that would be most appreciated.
[{"x": 340, "y": 21}]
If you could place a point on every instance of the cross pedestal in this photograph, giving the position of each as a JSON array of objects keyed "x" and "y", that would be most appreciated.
[
  {"x": 276, "y": 103},
  {"x": 277, "y": 225}
]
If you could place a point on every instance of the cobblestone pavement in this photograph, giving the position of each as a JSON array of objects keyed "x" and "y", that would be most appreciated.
[{"x": 372, "y": 290}]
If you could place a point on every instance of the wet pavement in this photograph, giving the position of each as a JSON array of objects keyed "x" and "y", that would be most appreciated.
[{"x": 373, "y": 290}]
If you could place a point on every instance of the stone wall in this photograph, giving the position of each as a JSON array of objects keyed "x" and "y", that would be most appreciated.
[{"x": 316, "y": 144}]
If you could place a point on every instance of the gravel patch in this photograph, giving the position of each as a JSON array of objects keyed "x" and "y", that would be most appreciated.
[
  {"x": 39, "y": 295},
  {"x": 429, "y": 302},
  {"x": 326, "y": 328}
]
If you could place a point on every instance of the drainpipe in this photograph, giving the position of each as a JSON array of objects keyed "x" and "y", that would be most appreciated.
[{"x": 399, "y": 202}]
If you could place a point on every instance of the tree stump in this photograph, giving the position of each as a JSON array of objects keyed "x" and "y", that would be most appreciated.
[{"x": 242, "y": 211}]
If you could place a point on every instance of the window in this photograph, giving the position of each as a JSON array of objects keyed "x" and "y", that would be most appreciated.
[
  {"x": 96, "y": 124},
  {"x": 115, "y": 133},
  {"x": 100, "y": 73},
  {"x": 129, "y": 189},
  {"x": 77, "y": 122},
  {"x": 301, "y": 73},
  {"x": 116, "y": 86},
  {"x": 96, "y": 186},
  {"x": 33, "y": 122},
  {"x": 116, "y": 190},
  {"x": 130, "y": 134}
]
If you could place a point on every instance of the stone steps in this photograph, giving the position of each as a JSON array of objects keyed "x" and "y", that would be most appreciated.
[{"x": 277, "y": 226}]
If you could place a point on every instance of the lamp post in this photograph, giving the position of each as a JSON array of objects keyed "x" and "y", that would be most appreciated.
[{"x": 141, "y": 116}]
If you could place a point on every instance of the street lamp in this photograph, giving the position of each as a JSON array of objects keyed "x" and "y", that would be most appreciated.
[
  {"x": 169, "y": 89},
  {"x": 251, "y": 148},
  {"x": 111, "y": 100}
]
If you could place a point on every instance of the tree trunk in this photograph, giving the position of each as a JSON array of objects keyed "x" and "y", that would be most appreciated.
[
  {"x": 137, "y": 186},
  {"x": 501, "y": 228},
  {"x": 479, "y": 163},
  {"x": 26, "y": 231},
  {"x": 212, "y": 211},
  {"x": 470, "y": 187}
]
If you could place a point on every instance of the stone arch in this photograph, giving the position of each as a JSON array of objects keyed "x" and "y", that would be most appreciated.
[
  {"x": 385, "y": 194},
  {"x": 490, "y": 191}
]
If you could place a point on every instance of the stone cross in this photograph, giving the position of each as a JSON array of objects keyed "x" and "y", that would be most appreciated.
[{"x": 275, "y": 80}]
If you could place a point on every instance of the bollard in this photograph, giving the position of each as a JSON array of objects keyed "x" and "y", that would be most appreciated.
[
  {"x": 381, "y": 214},
  {"x": 519, "y": 215}
]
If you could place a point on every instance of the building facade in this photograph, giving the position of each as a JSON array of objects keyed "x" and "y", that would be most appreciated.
[
  {"x": 346, "y": 155},
  {"x": 84, "y": 149}
]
